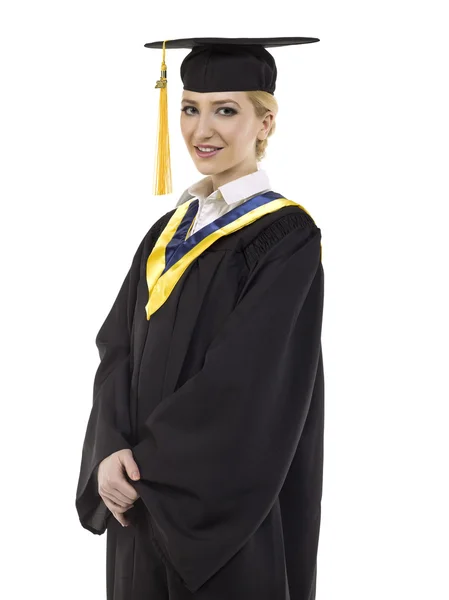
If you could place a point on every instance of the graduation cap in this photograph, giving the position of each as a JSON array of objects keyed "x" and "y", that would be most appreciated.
[{"x": 215, "y": 65}]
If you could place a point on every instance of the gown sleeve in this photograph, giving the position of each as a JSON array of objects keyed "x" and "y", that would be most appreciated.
[
  {"x": 108, "y": 426},
  {"x": 218, "y": 448}
]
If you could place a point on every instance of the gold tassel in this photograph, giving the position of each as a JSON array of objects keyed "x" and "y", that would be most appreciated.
[{"x": 163, "y": 181}]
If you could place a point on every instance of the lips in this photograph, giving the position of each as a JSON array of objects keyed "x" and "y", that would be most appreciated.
[
  {"x": 207, "y": 154},
  {"x": 209, "y": 147}
]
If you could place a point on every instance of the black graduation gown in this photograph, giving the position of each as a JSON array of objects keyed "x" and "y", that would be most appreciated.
[{"x": 220, "y": 396}]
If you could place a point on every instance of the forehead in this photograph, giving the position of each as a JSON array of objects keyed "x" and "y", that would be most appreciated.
[{"x": 213, "y": 97}]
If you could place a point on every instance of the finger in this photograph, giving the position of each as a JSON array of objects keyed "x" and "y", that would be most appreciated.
[
  {"x": 120, "y": 489},
  {"x": 116, "y": 501},
  {"x": 112, "y": 505},
  {"x": 117, "y": 515},
  {"x": 117, "y": 491},
  {"x": 123, "y": 509},
  {"x": 126, "y": 489},
  {"x": 121, "y": 519}
]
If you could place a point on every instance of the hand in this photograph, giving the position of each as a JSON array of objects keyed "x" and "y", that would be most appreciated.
[{"x": 115, "y": 491}]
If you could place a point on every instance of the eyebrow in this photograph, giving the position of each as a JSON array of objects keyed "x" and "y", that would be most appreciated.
[{"x": 216, "y": 101}]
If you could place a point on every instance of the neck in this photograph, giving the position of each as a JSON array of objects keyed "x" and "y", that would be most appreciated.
[{"x": 235, "y": 172}]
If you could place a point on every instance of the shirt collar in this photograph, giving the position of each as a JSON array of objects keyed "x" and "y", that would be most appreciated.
[{"x": 233, "y": 191}]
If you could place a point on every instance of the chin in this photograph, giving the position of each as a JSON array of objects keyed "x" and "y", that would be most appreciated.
[
  {"x": 207, "y": 169},
  {"x": 210, "y": 166}
]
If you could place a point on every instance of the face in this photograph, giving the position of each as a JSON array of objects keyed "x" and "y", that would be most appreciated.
[{"x": 226, "y": 120}]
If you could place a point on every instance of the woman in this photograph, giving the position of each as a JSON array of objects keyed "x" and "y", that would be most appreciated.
[{"x": 210, "y": 384}]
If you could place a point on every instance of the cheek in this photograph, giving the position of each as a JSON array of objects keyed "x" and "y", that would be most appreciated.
[
  {"x": 186, "y": 128},
  {"x": 236, "y": 132}
]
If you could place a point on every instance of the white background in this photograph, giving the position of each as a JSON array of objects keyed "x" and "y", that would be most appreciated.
[{"x": 361, "y": 143}]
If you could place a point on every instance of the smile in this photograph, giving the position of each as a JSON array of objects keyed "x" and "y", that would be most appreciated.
[{"x": 208, "y": 153}]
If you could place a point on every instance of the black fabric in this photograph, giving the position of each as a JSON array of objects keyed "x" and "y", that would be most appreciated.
[
  {"x": 229, "y": 64},
  {"x": 109, "y": 428},
  {"x": 225, "y": 416}
]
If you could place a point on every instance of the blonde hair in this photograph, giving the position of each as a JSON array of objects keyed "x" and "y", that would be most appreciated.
[{"x": 263, "y": 102}]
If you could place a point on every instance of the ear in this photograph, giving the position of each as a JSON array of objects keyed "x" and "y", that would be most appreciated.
[{"x": 267, "y": 123}]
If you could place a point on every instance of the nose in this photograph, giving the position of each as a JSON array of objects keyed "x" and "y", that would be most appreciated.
[{"x": 204, "y": 129}]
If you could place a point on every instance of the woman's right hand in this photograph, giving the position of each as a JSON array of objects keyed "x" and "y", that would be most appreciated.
[{"x": 115, "y": 491}]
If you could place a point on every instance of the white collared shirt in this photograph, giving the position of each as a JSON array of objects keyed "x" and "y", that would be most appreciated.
[{"x": 214, "y": 204}]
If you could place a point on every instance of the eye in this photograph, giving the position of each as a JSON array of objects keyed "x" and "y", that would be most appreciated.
[
  {"x": 186, "y": 108},
  {"x": 233, "y": 112}
]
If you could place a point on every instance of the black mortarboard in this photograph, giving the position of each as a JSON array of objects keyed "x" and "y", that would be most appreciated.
[{"x": 215, "y": 65}]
